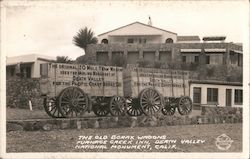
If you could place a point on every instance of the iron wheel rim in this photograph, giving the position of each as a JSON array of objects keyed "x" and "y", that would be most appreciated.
[
  {"x": 150, "y": 101},
  {"x": 100, "y": 108},
  {"x": 185, "y": 106},
  {"x": 117, "y": 106},
  {"x": 50, "y": 106},
  {"x": 72, "y": 101},
  {"x": 133, "y": 108}
]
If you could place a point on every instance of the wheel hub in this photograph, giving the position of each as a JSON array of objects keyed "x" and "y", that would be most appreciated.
[
  {"x": 151, "y": 102},
  {"x": 74, "y": 102},
  {"x": 103, "y": 104}
]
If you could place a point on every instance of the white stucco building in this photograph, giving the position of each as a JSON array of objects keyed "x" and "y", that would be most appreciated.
[
  {"x": 137, "y": 33},
  {"x": 216, "y": 93},
  {"x": 26, "y": 65},
  {"x": 138, "y": 41}
]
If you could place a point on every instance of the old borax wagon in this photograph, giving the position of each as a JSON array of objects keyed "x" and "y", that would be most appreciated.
[{"x": 69, "y": 90}]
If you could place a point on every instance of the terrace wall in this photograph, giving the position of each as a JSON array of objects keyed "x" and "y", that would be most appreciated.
[{"x": 174, "y": 48}]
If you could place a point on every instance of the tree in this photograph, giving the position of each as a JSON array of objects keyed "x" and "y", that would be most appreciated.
[
  {"x": 84, "y": 37},
  {"x": 63, "y": 59}
]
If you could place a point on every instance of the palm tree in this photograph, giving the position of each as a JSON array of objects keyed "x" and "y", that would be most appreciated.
[{"x": 84, "y": 37}]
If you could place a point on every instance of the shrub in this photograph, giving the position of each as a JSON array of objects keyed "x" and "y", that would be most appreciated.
[
  {"x": 84, "y": 59},
  {"x": 158, "y": 64},
  {"x": 144, "y": 63}
]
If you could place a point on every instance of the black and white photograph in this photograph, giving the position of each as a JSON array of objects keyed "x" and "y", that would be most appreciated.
[{"x": 124, "y": 79}]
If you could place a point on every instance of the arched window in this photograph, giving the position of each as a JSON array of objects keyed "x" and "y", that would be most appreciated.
[
  {"x": 169, "y": 40},
  {"x": 105, "y": 41}
]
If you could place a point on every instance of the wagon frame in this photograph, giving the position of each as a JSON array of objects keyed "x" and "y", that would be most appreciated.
[{"x": 72, "y": 101}]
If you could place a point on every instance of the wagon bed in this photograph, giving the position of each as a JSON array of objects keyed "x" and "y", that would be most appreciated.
[
  {"x": 71, "y": 89},
  {"x": 150, "y": 90}
]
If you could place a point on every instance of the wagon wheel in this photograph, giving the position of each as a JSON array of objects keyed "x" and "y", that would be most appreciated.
[
  {"x": 50, "y": 106},
  {"x": 72, "y": 101},
  {"x": 184, "y": 105},
  {"x": 117, "y": 106},
  {"x": 167, "y": 108},
  {"x": 150, "y": 101},
  {"x": 133, "y": 107},
  {"x": 100, "y": 107}
]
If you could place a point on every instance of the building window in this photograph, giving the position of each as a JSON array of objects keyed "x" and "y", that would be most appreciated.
[
  {"x": 12, "y": 71},
  {"x": 142, "y": 41},
  {"x": 207, "y": 59},
  {"x": 184, "y": 59},
  {"x": 212, "y": 95},
  {"x": 118, "y": 58},
  {"x": 233, "y": 57},
  {"x": 132, "y": 57},
  {"x": 44, "y": 70},
  {"x": 216, "y": 59},
  {"x": 196, "y": 59},
  {"x": 149, "y": 55},
  {"x": 238, "y": 96},
  {"x": 105, "y": 41},
  {"x": 240, "y": 60},
  {"x": 169, "y": 40},
  {"x": 102, "y": 58},
  {"x": 228, "y": 97},
  {"x": 25, "y": 71},
  {"x": 130, "y": 41},
  {"x": 197, "y": 95}
]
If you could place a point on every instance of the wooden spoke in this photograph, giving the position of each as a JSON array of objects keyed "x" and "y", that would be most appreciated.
[
  {"x": 72, "y": 101},
  {"x": 117, "y": 106},
  {"x": 150, "y": 101},
  {"x": 50, "y": 106},
  {"x": 100, "y": 107},
  {"x": 185, "y": 105},
  {"x": 167, "y": 108},
  {"x": 133, "y": 107}
]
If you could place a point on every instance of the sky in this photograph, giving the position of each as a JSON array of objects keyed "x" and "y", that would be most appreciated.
[{"x": 48, "y": 27}]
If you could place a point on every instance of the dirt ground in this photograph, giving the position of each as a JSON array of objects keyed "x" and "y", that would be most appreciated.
[{"x": 66, "y": 140}]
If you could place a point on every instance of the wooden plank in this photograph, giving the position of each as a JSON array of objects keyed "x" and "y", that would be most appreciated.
[
  {"x": 94, "y": 80},
  {"x": 170, "y": 83}
]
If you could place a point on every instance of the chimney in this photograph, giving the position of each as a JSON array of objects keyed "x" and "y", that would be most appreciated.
[{"x": 149, "y": 21}]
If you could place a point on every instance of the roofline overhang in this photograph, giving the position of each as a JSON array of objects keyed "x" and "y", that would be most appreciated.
[
  {"x": 21, "y": 63},
  {"x": 190, "y": 50},
  {"x": 44, "y": 59},
  {"x": 214, "y": 50},
  {"x": 216, "y": 83},
  {"x": 138, "y": 35},
  {"x": 134, "y": 23}
]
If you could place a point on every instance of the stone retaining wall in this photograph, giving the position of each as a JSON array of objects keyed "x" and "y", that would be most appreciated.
[
  {"x": 20, "y": 90},
  {"x": 116, "y": 122}
]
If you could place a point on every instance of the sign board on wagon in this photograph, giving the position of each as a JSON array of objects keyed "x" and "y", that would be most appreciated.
[
  {"x": 94, "y": 80},
  {"x": 170, "y": 83}
]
